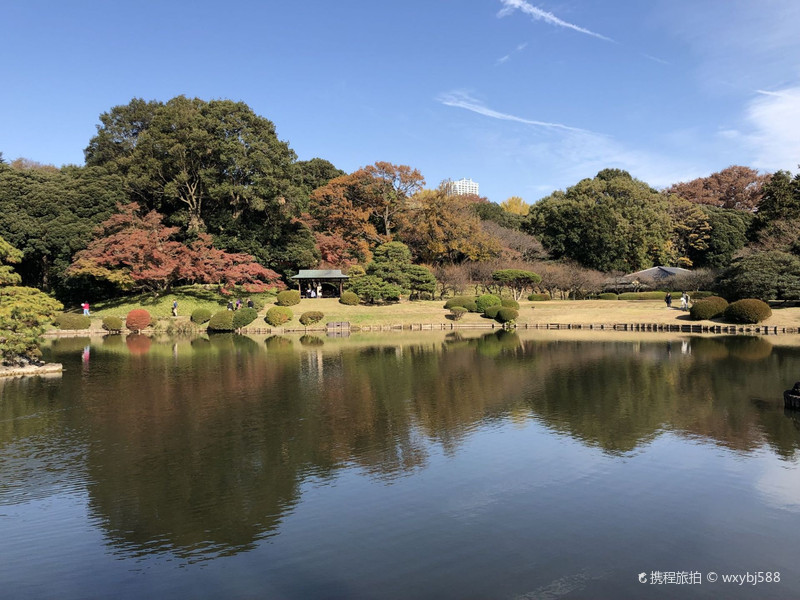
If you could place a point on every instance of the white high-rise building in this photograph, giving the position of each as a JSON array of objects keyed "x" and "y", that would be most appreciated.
[{"x": 463, "y": 187}]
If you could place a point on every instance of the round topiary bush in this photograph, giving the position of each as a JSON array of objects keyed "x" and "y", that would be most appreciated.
[
  {"x": 112, "y": 324},
  {"x": 138, "y": 319},
  {"x": 471, "y": 306},
  {"x": 288, "y": 298},
  {"x": 350, "y": 299},
  {"x": 278, "y": 315},
  {"x": 748, "y": 310},
  {"x": 510, "y": 303},
  {"x": 221, "y": 321},
  {"x": 200, "y": 315},
  {"x": 491, "y": 311},
  {"x": 243, "y": 317},
  {"x": 457, "y": 312},
  {"x": 458, "y": 301},
  {"x": 708, "y": 308},
  {"x": 506, "y": 315},
  {"x": 607, "y": 296},
  {"x": 487, "y": 300},
  {"x": 311, "y": 317},
  {"x": 539, "y": 297},
  {"x": 72, "y": 321}
]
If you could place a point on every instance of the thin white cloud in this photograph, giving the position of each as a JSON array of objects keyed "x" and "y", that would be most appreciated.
[
  {"x": 766, "y": 93},
  {"x": 537, "y": 14},
  {"x": 519, "y": 48},
  {"x": 460, "y": 99},
  {"x": 660, "y": 61}
]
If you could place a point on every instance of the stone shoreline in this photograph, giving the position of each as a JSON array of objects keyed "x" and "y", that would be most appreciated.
[{"x": 48, "y": 369}]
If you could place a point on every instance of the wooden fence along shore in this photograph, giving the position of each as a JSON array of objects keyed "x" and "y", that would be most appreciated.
[{"x": 344, "y": 327}]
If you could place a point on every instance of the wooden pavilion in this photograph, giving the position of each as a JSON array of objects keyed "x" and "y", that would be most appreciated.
[{"x": 313, "y": 279}]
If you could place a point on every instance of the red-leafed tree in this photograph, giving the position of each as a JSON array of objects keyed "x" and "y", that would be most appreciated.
[
  {"x": 137, "y": 253},
  {"x": 735, "y": 187}
]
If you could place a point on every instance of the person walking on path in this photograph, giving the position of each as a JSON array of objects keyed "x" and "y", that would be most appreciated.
[
  {"x": 230, "y": 305},
  {"x": 250, "y": 303},
  {"x": 85, "y": 307},
  {"x": 174, "y": 308},
  {"x": 684, "y": 301},
  {"x": 668, "y": 299}
]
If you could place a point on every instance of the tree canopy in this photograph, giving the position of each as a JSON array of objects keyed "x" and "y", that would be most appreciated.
[
  {"x": 25, "y": 312},
  {"x": 611, "y": 222},
  {"x": 736, "y": 187}
]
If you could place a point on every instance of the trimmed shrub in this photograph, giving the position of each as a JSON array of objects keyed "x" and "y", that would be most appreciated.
[
  {"x": 200, "y": 315},
  {"x": 311, "y": 317},
  {"x": 221, "y": 321},
  {"x": 278, "y": 315},
  {"x": 643, "y": 296},
  {"x": 708, "y": 308},
  {"x": 506, "y": 315},
  {"x": 471, "y": 306},
  {"x": 487, "y": 300},
  {"x": 491, "y": 311},
  {"x": 457, "y": 312},
  {"x": 72, "y": 321},
  {"x": 748, "y": 310},
  {"x": 607, "y": 296},
  {"x": 138, "y": 319},
  {"x": 112, "y": 323},
  {"x": 243, "y": 317},
  {"x": 458, "y": 301},
  {"x": 539, "y": 297},
  {"x": 350, "y": 299},
  {"x": 288, "y": 298},
  {"x": 510, "y": 303}
]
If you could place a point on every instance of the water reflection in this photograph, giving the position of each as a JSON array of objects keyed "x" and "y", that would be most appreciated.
[{"x": 202, "y": 447}]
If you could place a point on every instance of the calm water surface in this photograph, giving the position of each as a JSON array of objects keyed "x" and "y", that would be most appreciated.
[{"x": 427, "y": 466}]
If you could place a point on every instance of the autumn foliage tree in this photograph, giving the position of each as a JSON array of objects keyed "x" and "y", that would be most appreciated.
[
  {"x": 443, "y": 229},
  {"x": 360, "y": 209},
  {"x": 134, "y": 252},
  {"x": 735, "y": 187}
]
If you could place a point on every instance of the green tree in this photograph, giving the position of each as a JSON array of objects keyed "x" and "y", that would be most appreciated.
[
  {"x": 24, "y": 312},
  {"x": 392, "y": 263},
  {"x": 49, "y": 214},
  {"x": 214, "y": 167},
  {"x": 611, "y": 222},
  {"x": 762, "y": 275},
  {"x": 372, "y": 289},
  {"x": 727, "y": 236},
  {"x": 517, "y": 280}
]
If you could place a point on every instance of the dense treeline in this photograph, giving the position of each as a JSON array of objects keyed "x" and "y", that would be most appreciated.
[{"x": 204, "y": 191}]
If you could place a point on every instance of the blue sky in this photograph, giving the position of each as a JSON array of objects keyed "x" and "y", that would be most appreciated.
[{"x": 523, "y": 97}]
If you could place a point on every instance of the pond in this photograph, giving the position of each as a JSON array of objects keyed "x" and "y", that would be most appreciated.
[{"x": 426, "y": 465}]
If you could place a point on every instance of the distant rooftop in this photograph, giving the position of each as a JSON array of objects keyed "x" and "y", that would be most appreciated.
[{"x": 656, "y": 273}]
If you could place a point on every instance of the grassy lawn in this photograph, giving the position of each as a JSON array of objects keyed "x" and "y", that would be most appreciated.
[
  {"x": 189, "y": 298},
  {"x": 424, "y": 312}
]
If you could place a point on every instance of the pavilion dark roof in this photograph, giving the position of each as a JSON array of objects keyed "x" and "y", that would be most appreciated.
[{"x": 320, "y": 274}]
